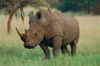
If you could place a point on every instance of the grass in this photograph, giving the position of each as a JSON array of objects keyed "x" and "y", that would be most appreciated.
[{"x": 13, "y": 53}]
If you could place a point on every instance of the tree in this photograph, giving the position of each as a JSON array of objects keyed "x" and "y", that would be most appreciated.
[
  {"x": 13, "y": 5},
  {"x": 77, "y": 5}
]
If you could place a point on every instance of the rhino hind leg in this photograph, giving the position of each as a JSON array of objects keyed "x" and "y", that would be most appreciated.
[
  {"x": 74, "y": 45},
  {"x": 45, "y": 50},
  {"x": 73, "y": 48},
  {"x": 65, "y": 50}
]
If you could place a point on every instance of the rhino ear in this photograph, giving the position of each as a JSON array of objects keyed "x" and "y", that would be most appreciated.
[
  {"x": 39, "y": 15},
  {"x": 30, "y": 15}
]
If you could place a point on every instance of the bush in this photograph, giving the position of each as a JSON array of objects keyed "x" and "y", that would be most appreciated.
[{"x": 96, "y": 10}]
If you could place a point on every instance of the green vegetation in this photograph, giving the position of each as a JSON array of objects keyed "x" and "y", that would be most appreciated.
[
  {"x": 13, "y": 53},
  {"x": 12, "y": 6},
  {"x": 77, "y": 5}
]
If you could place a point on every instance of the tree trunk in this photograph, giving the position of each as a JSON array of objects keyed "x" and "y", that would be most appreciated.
[
  {"x": 10, "y": 18},
  {"x": 9, "y": 23}
]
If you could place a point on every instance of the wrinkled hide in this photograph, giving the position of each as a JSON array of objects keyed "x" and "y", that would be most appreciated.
[{"x": 55, "y": 29}]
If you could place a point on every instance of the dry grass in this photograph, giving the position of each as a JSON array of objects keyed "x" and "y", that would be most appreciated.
[{"x": 13, "y": 53}]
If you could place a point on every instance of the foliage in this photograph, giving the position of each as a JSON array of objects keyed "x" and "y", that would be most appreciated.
[
  {"x": 77, "y": 5},
  {"x": 96, "y": 10},
  {"x": 13, "y": 5}
]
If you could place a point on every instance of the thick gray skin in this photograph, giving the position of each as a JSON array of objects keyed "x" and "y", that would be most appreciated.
[
  {"x": 62, "y": 31},
  {"x": 56, "y": 30}
]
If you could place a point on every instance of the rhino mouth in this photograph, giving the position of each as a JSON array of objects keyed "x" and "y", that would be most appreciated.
[{"x": 29, "y": 46}]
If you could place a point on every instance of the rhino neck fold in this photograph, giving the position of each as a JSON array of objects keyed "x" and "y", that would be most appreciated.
[{"x": 53, "y": 30}]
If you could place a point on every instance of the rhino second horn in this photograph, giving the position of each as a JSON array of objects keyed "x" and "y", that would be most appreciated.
[{"x": 20, "y": 34}]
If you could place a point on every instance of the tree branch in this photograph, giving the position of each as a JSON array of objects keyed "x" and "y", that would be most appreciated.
[
  {"x": 10, "y": 18},
  {"x": 3, "y": 3},
  {"x": 6, "y": 5},
  {"x": 8, "y": 8}
]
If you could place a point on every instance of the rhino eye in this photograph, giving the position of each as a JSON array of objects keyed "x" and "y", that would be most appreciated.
[{"x": 35, "y": 33}]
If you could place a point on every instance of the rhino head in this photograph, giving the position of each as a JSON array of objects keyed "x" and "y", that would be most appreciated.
[{"x": 35, "y": 34}]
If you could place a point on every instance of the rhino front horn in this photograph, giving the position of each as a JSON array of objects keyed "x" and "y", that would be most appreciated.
[{"x": 20, "y": 34}]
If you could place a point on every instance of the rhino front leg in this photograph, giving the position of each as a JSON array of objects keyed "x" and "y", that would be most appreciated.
[
  {"x": 45, "y": 50},
  {"x": 57, "y": 42}
]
